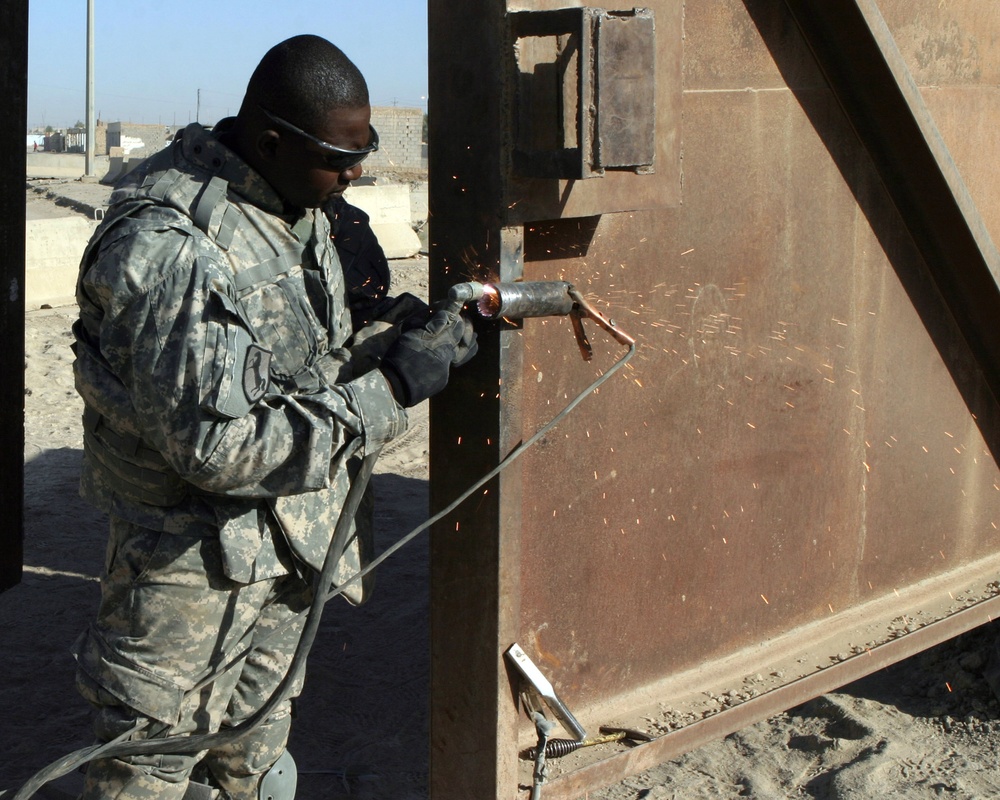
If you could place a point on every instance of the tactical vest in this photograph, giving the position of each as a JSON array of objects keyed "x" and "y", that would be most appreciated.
[{"x": 277, "y": 286}]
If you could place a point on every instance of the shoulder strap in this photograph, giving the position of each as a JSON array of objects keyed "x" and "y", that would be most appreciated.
[
  {"x": 174, "y": 191},
  {"x": 215, "y": 192}
]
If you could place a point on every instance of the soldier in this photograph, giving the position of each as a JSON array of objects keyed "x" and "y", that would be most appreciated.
[{"x": 227, "y": 392}]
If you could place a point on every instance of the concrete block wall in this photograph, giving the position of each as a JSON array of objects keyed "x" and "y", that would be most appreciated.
[
  {"x": 137, "y": 140},
  {"x": 400, "y": 133}
]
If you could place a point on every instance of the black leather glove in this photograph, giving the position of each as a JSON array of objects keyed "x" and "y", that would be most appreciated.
[
  {"x": 418, "y": 364},
  {"x": 466, "y": 345}
]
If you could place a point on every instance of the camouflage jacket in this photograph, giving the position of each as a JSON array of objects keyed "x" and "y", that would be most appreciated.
[{"x": 211, "y": 354}]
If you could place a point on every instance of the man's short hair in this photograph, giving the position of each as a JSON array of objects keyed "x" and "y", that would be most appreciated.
[{"x": 303, "y": 78}]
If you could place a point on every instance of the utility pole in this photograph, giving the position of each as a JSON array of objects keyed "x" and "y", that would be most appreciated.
[
  {"x": 197, "y": 111},
  {"x": 91, "y": 126}
]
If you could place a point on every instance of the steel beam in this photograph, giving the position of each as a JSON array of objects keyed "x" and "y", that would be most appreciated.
[
  {"x": 474, "y": 599},
  {"x": 647, "y": 755},
  {"x": 865, "y": 70},
  {"x": 14, "y": 90}
]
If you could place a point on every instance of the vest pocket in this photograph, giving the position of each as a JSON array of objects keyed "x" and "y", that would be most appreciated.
[{"x": 287, "y": 326}]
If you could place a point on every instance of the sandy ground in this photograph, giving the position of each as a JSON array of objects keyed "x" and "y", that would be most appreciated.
[{"x": 927, "y": 727}]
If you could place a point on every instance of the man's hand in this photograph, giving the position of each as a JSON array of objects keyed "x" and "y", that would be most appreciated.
[
  {"x": 418, "y": 364},
  {"x": 466, "y": 345}
]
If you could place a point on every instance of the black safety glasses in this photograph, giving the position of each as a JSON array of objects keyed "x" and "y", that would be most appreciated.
[{"x": 337, "y": 159}]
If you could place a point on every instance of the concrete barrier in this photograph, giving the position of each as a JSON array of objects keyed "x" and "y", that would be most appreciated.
[
  {"x": 389, "y": 209},
  {"x": 116, "y": 165},
  {"x": 62, "y": 165},
  {"x": 418, "y": 204},
  {"x": 115, "y": 170},
  {"x": 53, "y": 248}
]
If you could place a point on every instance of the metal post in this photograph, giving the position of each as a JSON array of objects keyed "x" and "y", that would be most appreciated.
[
  {"x": 91, "y": 126},
  {"x": 473, "y": 715},
  {"x": 14, "y": 89}
]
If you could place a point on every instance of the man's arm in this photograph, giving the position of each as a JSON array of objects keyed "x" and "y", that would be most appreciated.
[{"x": 171, "y": 333}]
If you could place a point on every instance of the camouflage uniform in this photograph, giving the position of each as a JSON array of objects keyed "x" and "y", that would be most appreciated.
[{"x": 227, "y": 398}]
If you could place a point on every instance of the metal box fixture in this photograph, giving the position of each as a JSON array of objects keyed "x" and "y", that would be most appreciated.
[{"x": 586, "y": 96}]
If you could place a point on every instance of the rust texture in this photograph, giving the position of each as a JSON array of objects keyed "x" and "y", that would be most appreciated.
[{"x": 796, "y": 475}]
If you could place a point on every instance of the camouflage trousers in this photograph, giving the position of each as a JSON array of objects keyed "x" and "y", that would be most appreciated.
[{"x": 168, "y": 616}]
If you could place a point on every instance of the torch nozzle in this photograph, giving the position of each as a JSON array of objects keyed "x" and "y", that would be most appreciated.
[
  {"x": 522, "y": 299},
  {"x": 517, "y": 300},
  {"x": 471, "y": 290}
]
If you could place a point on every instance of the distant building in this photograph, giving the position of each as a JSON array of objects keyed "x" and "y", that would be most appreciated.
[
  {"x": 400, "y": 133},
  {"x": 72, "y": 140}
]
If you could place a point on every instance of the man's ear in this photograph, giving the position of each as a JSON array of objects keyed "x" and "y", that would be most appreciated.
[{"x": 267, "y": 144}]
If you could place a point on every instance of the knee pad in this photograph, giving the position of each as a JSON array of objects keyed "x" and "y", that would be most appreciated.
[{"x": 279, "y": 782}]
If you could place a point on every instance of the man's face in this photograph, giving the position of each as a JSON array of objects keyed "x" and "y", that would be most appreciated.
[{"x": 304, "y": 173}]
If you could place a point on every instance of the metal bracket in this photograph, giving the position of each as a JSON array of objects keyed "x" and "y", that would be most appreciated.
[
  {"x": 585, "y": 100},
  {"x": 540, "y": 685}
]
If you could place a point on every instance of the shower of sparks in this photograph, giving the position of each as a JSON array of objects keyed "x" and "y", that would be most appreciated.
[{"x": 651, "y": 312}]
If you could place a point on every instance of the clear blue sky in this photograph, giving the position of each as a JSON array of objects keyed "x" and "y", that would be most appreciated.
[{"x": 151, "y": 58}]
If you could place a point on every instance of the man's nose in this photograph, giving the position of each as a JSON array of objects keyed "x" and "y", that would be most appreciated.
[{"x": 351, "y": 174}]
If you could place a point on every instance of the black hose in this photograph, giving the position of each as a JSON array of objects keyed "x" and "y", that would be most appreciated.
[
  {"x": 514, "y": 454},
  {"x": 188, "y": 743}
]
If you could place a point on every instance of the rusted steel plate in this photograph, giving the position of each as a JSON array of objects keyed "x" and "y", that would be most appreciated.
[
  {"x": 470, "y": 719},
  {"x": 570, "y": 781},
  {"x": 866, "y": 71},
  {"x": 626, "y": 76},
  {"x": 796, "y": 469}
]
